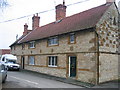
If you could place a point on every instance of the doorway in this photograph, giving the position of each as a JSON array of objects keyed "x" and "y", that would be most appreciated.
[
  {"x": 72, "y": 66},
  {"x": 23, "y": 62}
]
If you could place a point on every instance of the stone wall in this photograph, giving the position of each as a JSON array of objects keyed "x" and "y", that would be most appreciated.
[
  {"x": 84, "y": 49},
  {"x": 84, "y": 43},
  {"x": 108, "y": 67},
  {"x": 51, "y": 71},
  {"x": 87, "y": 67},
  {"x": 107, "y": 29}
]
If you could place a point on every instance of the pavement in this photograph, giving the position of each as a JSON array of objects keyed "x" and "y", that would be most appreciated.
[{"x": 112, "y": 84}]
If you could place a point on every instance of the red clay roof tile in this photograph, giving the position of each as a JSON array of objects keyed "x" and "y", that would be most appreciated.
[{"x": 80, "y": 21}]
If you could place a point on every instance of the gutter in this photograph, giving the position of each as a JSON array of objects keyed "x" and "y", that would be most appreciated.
[{"x": 97, "y": 46}]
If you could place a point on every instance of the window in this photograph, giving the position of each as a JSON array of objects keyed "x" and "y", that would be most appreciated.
[
  {"x": 52, "y": 61},
  {"x": 72, "y": 38},
  {"x": 32, "y": 44},
  {"x": 23, "y": 46},
  {"x": 31, "y": 60},
  {"x": 114, "y": 21},
  {"x": 3, "y": 59},
  {"x": 53, "y": 41}
]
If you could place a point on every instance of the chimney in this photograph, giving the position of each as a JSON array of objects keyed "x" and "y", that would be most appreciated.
[
  {"x": 35, "y": 21},
  {"x": 110, "y": 1},
  {"x": 25, "y": 29},
  {"x": 60, "y": 11}
]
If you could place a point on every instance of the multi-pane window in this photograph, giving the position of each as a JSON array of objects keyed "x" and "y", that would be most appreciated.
[
  {"x": 53, "y": 41},
  {"x": 52, "y": 61},
  {"x": 72, "y": 38},
  {"x": 32, "y": 44},
  {"x": 31, "y": 60}
]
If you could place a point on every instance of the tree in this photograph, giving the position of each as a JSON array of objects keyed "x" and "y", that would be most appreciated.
[{"x": 3, "y": 4}]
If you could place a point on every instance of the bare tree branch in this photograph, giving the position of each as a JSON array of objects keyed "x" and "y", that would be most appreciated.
[{"x": 3, "y": 4}]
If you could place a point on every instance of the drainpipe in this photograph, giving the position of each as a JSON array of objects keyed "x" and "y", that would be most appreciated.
[{"x": 97, "y": 82}]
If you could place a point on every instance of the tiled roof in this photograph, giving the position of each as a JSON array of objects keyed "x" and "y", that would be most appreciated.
[
  {"x": 80, "y": 21},
  {"x": 17, "y": 41},
  {"x": 4, "y": 51}
]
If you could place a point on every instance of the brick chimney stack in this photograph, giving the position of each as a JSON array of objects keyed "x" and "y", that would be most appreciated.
[
  {"x": 35, "y": 21},
  {"x": 60, "y": 11},
  {"x": 110, "y": 1},
  {"x": 25, "y": 29}
]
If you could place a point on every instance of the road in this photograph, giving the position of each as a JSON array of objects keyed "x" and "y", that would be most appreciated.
[
  {"x": 19, "y": 79},
  {"x": 24, "y": 79}
]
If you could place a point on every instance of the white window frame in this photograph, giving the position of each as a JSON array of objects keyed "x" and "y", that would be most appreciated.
[
  {"x": 53, "y": 41},
  {"x": 71, "y": 36},
  {"x": 52, "y": 61},
  {"x": 32, "y": 44},
  {"x": 33, "y": 62}
]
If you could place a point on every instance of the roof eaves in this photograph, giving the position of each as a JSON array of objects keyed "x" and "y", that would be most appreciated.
[
  {"x": 23, "y": 38},
  {"x": 84, "y": 29}
]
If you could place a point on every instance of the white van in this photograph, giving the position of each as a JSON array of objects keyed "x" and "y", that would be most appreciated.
[{"x": 10, "y": 61}]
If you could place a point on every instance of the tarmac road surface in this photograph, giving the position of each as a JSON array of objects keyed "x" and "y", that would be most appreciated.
[
  {"x": 30, "y": 80},
  {"x": 19, "y": 79}
]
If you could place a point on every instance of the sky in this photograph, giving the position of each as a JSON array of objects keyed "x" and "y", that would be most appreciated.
[{"x": 26, "y": 9}]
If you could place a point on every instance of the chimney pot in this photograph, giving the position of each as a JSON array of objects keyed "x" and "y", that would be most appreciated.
[
  {"x": 25, "y": 27},
  {"x": 36, "y": 14}
]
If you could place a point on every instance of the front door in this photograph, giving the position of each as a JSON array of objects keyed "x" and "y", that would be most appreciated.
[
  {"x": 72, "y": 66},
  {"x": 22, "y": 62}
]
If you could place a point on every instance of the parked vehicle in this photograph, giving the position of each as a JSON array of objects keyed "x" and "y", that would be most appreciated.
[
  {"x": 10, "y": 61},
  {"x": 3, "y": 73}
]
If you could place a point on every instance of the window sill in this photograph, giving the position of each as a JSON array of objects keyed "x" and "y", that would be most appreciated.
[
  {"x": 31, "y": 64},
  {"x": 31, "y": 47},
  {"x": 51, "y": 66},
  {"x": 53, "y": 45},
  {"x": 72, "y": 43}
]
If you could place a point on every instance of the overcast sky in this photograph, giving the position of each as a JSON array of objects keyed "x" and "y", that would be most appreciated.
[{"x": 19, "y": 8}]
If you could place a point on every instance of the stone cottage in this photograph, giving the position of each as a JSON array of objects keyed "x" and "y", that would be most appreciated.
[{"x": 83, "y": 46}]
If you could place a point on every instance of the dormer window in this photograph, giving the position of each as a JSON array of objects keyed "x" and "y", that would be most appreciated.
[
  {"x": 72, "y": 38},
  {"x": 53, "y": 41},
  {"x": 32, "y": 44}
]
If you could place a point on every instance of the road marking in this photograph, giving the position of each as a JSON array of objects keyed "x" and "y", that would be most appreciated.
[{"x": 24, "y": 80}]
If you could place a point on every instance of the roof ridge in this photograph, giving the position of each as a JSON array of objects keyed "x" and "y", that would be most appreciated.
[{"x": 78, "y": 13}]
